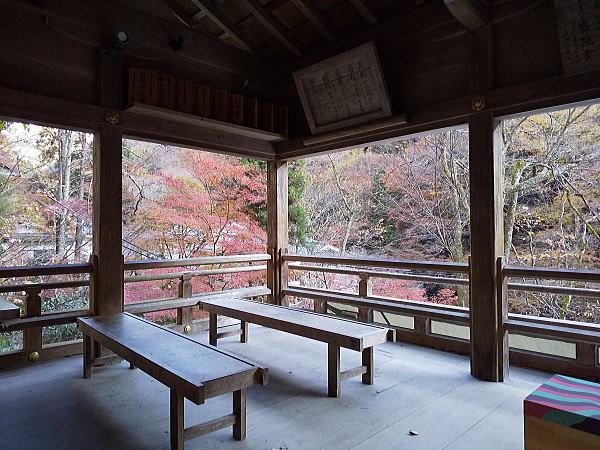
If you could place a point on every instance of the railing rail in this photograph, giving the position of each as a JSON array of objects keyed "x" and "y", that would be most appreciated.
[
  {"x": 429, "y": 266},
  {"x": 189, "y": 262}
]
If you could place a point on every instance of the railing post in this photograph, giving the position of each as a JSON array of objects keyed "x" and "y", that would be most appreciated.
[
  {"x": 32, "y": 337},
  {"x": 365, "y": 289},
  {"x": 185, "y": 313},
  {"x": 502, "y": 309}
]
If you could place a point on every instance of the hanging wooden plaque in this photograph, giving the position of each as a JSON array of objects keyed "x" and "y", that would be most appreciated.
[{"x": 345, "y": 90}]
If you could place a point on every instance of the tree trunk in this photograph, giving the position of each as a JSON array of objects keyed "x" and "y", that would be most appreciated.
[
  {"x": 64, "y": 170},
  {"x": 80, "y": 218}
]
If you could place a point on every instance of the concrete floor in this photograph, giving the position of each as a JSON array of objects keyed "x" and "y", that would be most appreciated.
[{"x": 49, "y": 405}]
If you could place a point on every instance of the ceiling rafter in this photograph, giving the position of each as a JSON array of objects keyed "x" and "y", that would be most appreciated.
[
  {"x": 218, "y": 17},
  {"x": 180, "y": 13},
  {"x": 309, "y": 10},
  {"x": 267, "y": 19},
  {"x": 366, "y": 10},
  {"x": 470, "y": 13}
]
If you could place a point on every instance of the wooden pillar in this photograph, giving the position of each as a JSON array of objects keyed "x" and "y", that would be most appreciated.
[
  {"x": 277, "y": 228},
  {"x": 489, "y": 349},
  {"x": 107, "y": 278}
]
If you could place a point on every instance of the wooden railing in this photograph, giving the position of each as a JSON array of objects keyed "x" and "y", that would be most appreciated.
[
  {"x": 32, "y": 320},
  {"x": 186, "y": 300},
  {"x": 584, "y": 336}
]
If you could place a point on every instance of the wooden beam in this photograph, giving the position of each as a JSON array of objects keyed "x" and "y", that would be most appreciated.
[
  {"x": 314, "y": 16},
  {"x": 526, "y": 97},
  {"x": 107, "y": 277},
  {"x": 211, "y": 10},
  {"x": 470, "y": 13},
  {"x": 366, "y": 10},
  {"x": 149, "y": 35},
  {"x": 277, "y": 229},
  {"x": 50, "y": 111},
  {"x": 180, "y": 13},
  {"x": 273, "y": 25}
]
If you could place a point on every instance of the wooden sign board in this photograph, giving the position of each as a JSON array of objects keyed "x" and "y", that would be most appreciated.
[
  {"x": 578, "y": 24},
  {"x": 345, "y": 90}
]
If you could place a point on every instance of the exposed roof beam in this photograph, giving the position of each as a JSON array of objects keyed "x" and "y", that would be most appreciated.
[
  {"x": 470, "y": 13},
  {"x": 180, "y": 13},
  {"x": 315, "y": 16},
  {"x": 366, "y": 10},
  {"x": 265, "y": 17},
  {"x": 217, "y": 16}
]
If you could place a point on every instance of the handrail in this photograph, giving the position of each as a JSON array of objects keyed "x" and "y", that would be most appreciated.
[
  {"x": 50, "y": 285},
  {"x": 192, "y": 274},
  {"x": 560, "y": 290},
  {"x": 201, "y": 261},
  {"x": 35, "y": 271},
  {"x": 431, "y": 266},
  {"x": 379, "y": 274},
  {"x": 592, "y": 276}
]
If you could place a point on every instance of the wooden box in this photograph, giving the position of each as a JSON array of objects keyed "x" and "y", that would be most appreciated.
[
  {"x": 265, "y": 116},
  {"x": 201, "y": 100},
  {"x": 235, "y": 109},
  {"x": 143, "y": 86},
  {"x": 563, "y": 412},
  {"x": 251, "y": 112},
  {"x": 166, "y": 92},
  {"x": 183, "y": 95},
  {"x": 218, "y": 104}
]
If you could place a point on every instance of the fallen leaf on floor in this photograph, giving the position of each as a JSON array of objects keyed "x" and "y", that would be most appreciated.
[{"x": 413, "y": 432}]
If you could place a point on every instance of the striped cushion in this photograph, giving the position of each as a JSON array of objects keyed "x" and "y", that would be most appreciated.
[{"x": 566, "y": 401}]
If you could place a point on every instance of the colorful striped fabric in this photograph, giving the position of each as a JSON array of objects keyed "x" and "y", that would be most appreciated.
[{"x": 566, "y": 401}]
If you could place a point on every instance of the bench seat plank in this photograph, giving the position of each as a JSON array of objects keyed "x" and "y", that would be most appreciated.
[
  {"x": 333, "y": 330},
  {"x": 198, "y": 370}
]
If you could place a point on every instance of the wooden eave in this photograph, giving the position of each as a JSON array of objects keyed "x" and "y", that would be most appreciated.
[{"x": 435, "y": 59}]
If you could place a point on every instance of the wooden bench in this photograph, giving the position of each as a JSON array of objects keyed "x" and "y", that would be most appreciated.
[
  {"x": 335, "y": 331},
  {"x": 9, "y": 310},
  {"x": 190, "y": 369}
]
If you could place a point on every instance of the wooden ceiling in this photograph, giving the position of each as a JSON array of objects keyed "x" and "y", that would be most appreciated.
[{"x": 281, "y": 31}]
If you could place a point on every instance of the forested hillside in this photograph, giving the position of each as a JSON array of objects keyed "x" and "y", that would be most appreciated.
[{"x": 407, "y": 199}]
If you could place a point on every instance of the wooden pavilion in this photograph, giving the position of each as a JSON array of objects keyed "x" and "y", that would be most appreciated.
[{"x": 445, "y": 64}]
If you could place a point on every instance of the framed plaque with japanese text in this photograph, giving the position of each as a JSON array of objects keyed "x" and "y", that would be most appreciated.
[{"x": 345, "y": 90}]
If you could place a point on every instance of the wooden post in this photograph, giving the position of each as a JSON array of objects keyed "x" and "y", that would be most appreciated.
[
  {"x": 212, "y": 329},
  {"x": 32, "y": 337},
  {"x": 107, "y": 277},
  {"x": 277, "y": 228},
  {"x": 239, "y": 411},
  {"x": 185, "y": 314},
  {"x": 176, "y": 420},
  {"x": 333, "y": 370},
  {"x": 365, "y": 289},
  {"x": 489, "y": 351}
]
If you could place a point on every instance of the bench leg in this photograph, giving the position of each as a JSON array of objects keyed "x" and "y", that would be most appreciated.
[
  {"x": 87, "y": 356},
  {"x": 212, "y": 332},
  {"x": 367, "y": 360},
  {"x": 176, "y": 434},
  {"x": 244, "y": 335},
  {"x": 333, "y": 370},
  {"x": 239, "y": 411}
]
